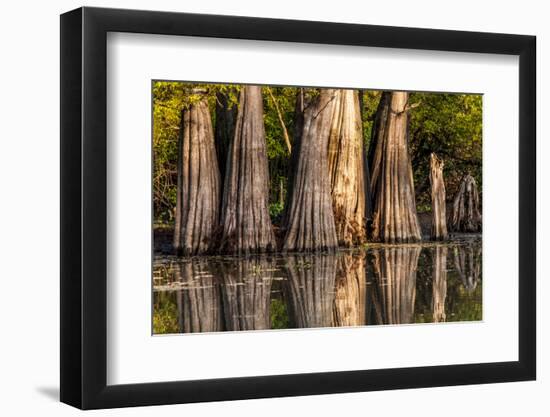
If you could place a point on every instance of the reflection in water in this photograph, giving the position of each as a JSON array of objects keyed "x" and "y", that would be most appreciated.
[
  {"x": 383, "y": 284},
  {"x": 199, "y": 307},
  {"x": 311, "y": 289},
  {"x": 467, "y": 260},
  {"x": 350, "y": 291},
  {"x": 394, "y": 285},
  {"x": 246, "y": 292},
  {"x": 439, "y": 283}
]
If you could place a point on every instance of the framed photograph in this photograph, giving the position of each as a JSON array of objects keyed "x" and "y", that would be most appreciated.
[{"x": 259, "y": 208}]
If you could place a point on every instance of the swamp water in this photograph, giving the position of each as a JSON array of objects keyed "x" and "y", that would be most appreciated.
[{"x": 377, "y": 285}]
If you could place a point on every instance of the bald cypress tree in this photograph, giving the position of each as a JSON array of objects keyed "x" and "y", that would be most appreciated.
[
  {"x": 198, "y": 187},
  {"x": 245, "y": 221},
  {"x": 394, "y": 212}
]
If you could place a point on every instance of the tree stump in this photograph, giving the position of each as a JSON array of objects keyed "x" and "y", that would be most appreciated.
[
  {"x": 466, "y": 216},
  {"x": 198, "y": 188},
  {"x": 346, "y": 168},
  {"x": 439, "y": 218},
  {"x": 394, "y": 217},
  {"x": 246, "y": 225},
  {"x": 310, "y": 221},
  {"x": 439, "y": 284},
  {"x": 394, "y": 287}
]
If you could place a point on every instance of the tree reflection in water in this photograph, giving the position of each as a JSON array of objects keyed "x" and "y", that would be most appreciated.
[
  {"x": 310, "y": 280},
  {"x": 393, "y": 288},
  {"x": 246, "y": 292},
  {"x": 199, "y": 302},
  {"x": 395, "y": 284}
]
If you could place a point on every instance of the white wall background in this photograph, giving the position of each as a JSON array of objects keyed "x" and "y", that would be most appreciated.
[{"x": 29, "y": 209}]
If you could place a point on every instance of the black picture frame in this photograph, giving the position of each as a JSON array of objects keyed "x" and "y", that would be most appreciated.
[{"x": 84, "y": 207}]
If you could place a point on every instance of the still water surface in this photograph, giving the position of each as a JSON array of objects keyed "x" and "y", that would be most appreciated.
[{"x": 381, "y": 284}]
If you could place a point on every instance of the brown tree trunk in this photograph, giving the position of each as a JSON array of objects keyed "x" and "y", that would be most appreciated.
[
  {"x": 394, "y": 212},
  {"x": 310, "y": 221},
  {"x": 439, "y": 284},
  {"x": 246, "y": 293},
  {"x": 466, "y": 216},
  {"x": 394, "y": 287},
  {"x": 199, "y": 302},
  {"x": 350, "y": 291},
  {"x": 225, "y": 129},
  {"x": 245, "y": 221},
  {"x": 198, "y": 189},
  {"x": 439, "y": 217},
  {"x": 346, "y": 168},
  {"x": 311, "y": 289}
]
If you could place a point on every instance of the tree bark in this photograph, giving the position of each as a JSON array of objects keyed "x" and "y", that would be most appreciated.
[
  {"x": 198, "y": 189},
  {"x": 310, "y": 220},
  {"x": 439, "y": 284},
  {"x": 346, "y": 168},
  {"x": 466, "y": 216},
  {"x": 246, "y": 293},
  {"x": 246, "y": 225},
  {"x": 199, "y": 303},
  {"x": 394, "y": 287},
  {"x": 394, "y": 213},
  {"x": 350, "y": 291},
  {"x": 225, "y": 129},
  {"x": 439, "y": 217}
]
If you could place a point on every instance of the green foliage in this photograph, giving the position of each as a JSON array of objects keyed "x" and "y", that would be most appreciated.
[
  {"x": 279, "y": 314},
  {"x": 165, "y": 318},
  {"x": 276, "y": 210}
]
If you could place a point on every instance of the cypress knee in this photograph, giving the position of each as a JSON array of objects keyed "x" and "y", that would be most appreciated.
[{"x": 466, "y": 216}]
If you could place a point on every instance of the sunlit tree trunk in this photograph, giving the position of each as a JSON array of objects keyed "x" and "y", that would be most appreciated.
[
  {"x": 394, "y": 217},
  {"x": 199, "y": 302},
  {"x": 310, "y": 221},
  {"x": 346, "y": 168},
  {"x": 394, "y": 286},
  {"x": 350, "y": 291},
  {"x": 225, "y": 128},
  {"x": 245, "y": 221},
  {"x": 439, "y": 284},
  {"x": 198, "y": 188},
  {"x": 439, "y": 218},
  {"x": 246, "y": 293},
  {"x": 466, "y": 216},
  {"x": 311, "y": 289}
]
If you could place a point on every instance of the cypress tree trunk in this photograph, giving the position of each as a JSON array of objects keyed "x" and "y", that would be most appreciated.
[
  {"x": 311, "y": 289},
  {"x": 394, "y": 289},
  {"x": 439, "y": 284},
  {"x": 439, "y": 218},
  {"x": 199, "y": 303},
  {"x": 246, "y": 293},
  {"x": 394, "y": 212},
  {"x": 198, "y": 189},
  {"x": 466, "y": 216},
  {"x": 246, "y": 225},
  {"x": 350, "y": 291},
  {"x": 225, "y": 129},
  {"x": 310, "y": 221},
  {"x": 346, "y": 169}
]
